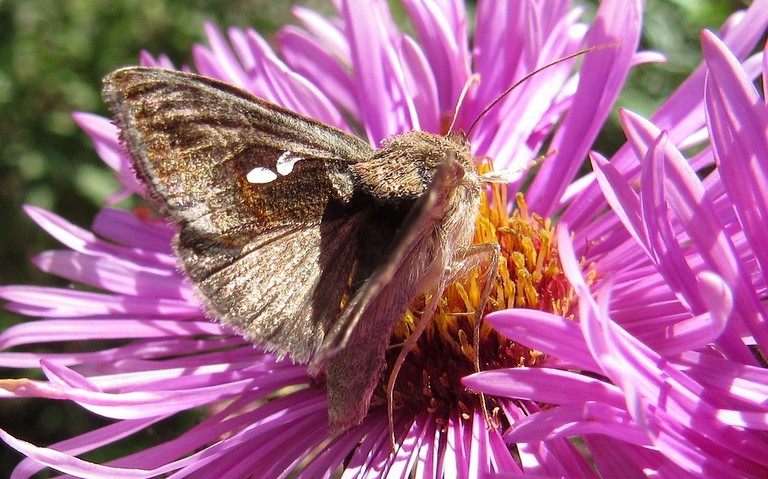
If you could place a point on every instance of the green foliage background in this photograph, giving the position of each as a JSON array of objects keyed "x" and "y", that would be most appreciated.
[{"x": 53, "y": 54}]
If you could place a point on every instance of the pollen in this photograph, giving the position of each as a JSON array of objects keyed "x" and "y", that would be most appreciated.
[{"x": 529, "y": 276}]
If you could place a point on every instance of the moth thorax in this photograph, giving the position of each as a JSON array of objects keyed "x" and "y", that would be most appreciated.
[{"x": 405, "y": 165}]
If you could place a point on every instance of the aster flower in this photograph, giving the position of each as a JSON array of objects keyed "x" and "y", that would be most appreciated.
[{"x": 660, "y": 306}]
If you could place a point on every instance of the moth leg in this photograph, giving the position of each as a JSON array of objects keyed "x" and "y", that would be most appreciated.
[
  {"x": 473, "y": 257},
  {"x": 408, "y": 345},
  {"x": 475, "y": 254}
]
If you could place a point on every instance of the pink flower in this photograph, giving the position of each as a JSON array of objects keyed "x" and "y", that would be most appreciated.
[{"x": 656, "y": 375}]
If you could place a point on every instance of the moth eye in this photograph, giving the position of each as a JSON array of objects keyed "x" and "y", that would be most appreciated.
[
  {"x": 286, "y": 161},
  {"x": 261, "y": 175}
]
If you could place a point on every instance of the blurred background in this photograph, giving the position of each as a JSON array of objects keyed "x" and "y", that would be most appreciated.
[{"x": 53, "y": 54}]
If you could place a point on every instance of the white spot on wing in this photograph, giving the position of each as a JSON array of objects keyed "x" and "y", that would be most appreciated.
[
  {"x": 286, "y": 161},
  {"x": 260, "y": 175}
]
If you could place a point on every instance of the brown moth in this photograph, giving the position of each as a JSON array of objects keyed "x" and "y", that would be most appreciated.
[{"x": 299, "y": 236}]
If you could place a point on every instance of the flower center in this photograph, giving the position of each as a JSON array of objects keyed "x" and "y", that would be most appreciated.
[{"x": 529, "y": 276}]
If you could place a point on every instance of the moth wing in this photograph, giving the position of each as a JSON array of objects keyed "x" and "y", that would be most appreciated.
[
  {"x": 354, "y": 349},
  {"x": 194, "y": 140},
  {"x": 417, "y": 223},
  {"x": 283, "y": 290},
  {"x": 258, "y": 251}
]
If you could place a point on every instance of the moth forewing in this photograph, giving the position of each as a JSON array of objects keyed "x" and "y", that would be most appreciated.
[{"x": 260, "y": 254}]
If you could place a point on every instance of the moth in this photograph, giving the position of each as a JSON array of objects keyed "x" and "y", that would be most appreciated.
[{"x": 299, "y": 236}]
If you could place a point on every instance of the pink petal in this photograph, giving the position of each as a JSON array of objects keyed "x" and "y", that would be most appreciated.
[
  {"x": 379, "y": 77},
  {"x": 737, "y": 119},
  {"x": 307, "y": 57},
  {"x": 602, "y": 76},
  {"x": 442, "y": 31},
  {"x": 69, "y": 464},
  {"x": 105, "y": 139},
  {"x": 115, "y": 275},
  {"x": 132, "y": 230},
  {"x": 53, "y": 302},
  {"x": 548, "y": 333},
  {"x": 85, "y": 241},
  {"x": 85, "y": 329},
  {"x": 219, "y": 62},
  {"x": 546, "y": 385}
]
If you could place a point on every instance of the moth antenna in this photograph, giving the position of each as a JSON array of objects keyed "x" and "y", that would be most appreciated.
[
  {"x": 474, "y": 78},
  {"x": 529, "y": 75}
]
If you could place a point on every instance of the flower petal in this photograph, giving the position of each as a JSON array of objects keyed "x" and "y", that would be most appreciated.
[
  {"x": 379, "y": 76},
  {"x": 69, "y": 464},
  {"x": 308, "y": 58},
  {"x": 602, "y": 76},
  {"x": 737, "y": 119},
  {"x": 105, "y": 139}
]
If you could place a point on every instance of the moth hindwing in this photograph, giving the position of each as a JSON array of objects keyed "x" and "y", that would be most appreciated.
[{"x": 297, "y": 235}]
